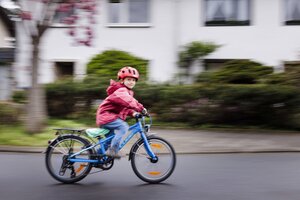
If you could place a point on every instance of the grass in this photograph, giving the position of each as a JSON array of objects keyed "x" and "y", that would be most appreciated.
[{"x": 16, "y": 135}]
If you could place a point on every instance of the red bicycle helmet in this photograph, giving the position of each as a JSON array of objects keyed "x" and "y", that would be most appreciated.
[{"x": 128, "y": 72}]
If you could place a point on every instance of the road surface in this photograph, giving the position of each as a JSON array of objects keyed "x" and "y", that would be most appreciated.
[{"x": 247, "y": 176}]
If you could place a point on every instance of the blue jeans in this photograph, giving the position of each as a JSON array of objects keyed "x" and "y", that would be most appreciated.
[{"x": 120, "y": 128}]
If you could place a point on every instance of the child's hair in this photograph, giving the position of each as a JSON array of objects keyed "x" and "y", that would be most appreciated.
[{"x": 128, "y": 72}]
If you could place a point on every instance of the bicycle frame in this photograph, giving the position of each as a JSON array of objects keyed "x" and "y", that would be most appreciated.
[{"x": 134, "y": 129}]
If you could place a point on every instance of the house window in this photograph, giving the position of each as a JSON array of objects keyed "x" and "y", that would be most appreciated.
[
  {"x": 227, "y": 12},
  {"x": 64, "y": 69},
  {"x": 128, "y": 11},
  {"x": 292, "y": 12},
  {"x": 61, "y": 15}
]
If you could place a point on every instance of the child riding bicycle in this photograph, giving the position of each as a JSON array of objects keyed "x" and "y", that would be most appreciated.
[
  {"x": 73, "y": 153},
  {"x": 120, "y": 103}
]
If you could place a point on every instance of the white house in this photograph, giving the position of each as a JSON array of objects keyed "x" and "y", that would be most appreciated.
[
  {"x": 267, "y": 31},
  {"x": 6, "y": 55}
]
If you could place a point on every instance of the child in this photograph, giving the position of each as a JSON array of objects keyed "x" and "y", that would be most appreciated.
[{"x": 120, "y": 103}]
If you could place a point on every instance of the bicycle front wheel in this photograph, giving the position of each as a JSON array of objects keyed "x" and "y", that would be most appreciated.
[
  {"x": 57, "y": 162},
  {"x": 149, "y": 170}
]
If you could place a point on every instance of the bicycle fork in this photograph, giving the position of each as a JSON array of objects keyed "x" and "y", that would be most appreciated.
[
  {"x": 153, "y": 158},
  {"x": 148, "y": 148}
]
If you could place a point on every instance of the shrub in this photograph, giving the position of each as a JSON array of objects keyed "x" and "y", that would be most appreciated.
[
  {"x": 275, "y": 78},
  {"x": 10, "y": 113},
  {"x": 237, "y": 72},
  {"x": 61, "y": 97},
  {"x": 259, "y": 104},
  {"x": 197, "y": 104},
  {"x": 108, "y": 63},
  {"x": 289, "y": 77},
  {"x": 19, "y": 96},
  {"x": 68, "y": 97},
  {"x": 293, "y": 76},
  {"x": 273, "y": 106},
  {"x": 191, "y": 52},
  {"x": 194, "y": 51}
]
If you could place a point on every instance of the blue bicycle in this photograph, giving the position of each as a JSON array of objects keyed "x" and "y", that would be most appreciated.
[{"x": 71, "y": 156}]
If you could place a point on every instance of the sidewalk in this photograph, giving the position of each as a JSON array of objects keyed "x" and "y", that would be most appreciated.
[
  {"x": 199, "y": 141},
  {"x": 232, "y": 142}
]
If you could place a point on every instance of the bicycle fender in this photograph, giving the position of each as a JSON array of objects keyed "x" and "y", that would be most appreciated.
[{"x": 51, "y": 142}]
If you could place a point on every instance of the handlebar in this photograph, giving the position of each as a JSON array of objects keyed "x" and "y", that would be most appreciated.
[{"x": 142, "y": 116}]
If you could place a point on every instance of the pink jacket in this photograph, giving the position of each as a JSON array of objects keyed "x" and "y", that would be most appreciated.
[{"x": 119, "y": 104}]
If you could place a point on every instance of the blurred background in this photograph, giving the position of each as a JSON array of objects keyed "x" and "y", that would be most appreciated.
[{"x": 204, "y": 63}]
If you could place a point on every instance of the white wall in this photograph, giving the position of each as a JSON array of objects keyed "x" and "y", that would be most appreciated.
[
  {"x": 266, "y": 40},
  {"x": 175, "y": 23},
  {"x": 155, "y": 43},
  {"x": 5, "y": 89}
]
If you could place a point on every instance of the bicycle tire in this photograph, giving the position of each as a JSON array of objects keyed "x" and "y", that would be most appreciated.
[
  {"x": 150, "y": 171},
  {"x": 53, "y": 156}
]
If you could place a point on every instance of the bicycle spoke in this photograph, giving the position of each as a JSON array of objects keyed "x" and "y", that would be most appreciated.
[
  {"x": 142, "y": 155},
  {"x": 63, "y": 148},
  {"x": 152, "y": 170},
  {"x": 57, "y": 159},
  {"x": 63, "y": 152},
  {"x": 67, "y": 147}
]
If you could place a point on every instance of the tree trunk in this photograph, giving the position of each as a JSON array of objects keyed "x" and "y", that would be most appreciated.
[{"x": 37, "y": 114}]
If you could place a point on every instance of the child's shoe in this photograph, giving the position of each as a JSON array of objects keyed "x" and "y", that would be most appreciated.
[
  {"x": 112, "y": 153},
  {"x": 120, "y": 154}
]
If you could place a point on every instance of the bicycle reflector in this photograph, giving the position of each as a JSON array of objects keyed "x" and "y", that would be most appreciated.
[
  {"x": 80, "y": 168},
  {"x": 158, "y": 146},
  {"x": 154, "y": 173}
]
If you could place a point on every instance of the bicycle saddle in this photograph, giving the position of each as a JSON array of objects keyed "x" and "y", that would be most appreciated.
[{"x": 95, "y": 132}]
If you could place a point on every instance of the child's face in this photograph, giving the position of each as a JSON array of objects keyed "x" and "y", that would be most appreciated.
[{"x": 129, "y": 82}]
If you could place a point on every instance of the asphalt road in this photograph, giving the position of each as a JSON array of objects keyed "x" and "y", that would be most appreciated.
[{"x": 260, "y": 176}]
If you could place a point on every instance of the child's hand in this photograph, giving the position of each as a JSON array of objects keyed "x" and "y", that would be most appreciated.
[
  {"x": 145, "y": 112},
  {"x": 135, "y": 114}
]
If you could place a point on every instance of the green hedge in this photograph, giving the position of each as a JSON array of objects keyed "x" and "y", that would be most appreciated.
[
  {"x": 242, "y": 93},
  {"x": 256, "y": 104},
  {"x": 274, "y": 106},
  {"x": 10, "y": 113},
  {"x": 68, "y": 97}
]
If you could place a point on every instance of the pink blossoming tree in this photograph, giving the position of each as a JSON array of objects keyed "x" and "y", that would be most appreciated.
[{"x": 37, "y": 17}]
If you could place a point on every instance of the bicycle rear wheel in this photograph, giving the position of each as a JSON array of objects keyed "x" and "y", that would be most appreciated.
[
  {"x": 149, "y": 170},
  {"x": 57, "y": 155}
]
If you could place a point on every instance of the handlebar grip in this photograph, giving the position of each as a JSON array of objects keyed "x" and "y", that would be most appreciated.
[{"x": 137, "y": 116}]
